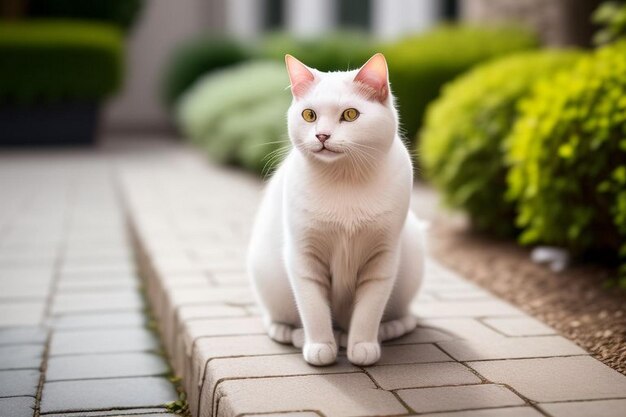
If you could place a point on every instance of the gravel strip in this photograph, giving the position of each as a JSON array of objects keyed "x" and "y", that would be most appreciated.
[{"x": 574, "y": 302}]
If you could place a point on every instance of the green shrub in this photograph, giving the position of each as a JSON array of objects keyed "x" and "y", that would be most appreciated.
[
  {"x": 196, "y": 58},
  {"x": 118, "y": 12},
  {"x": 461, "y": 142},
  {"x": 568, "y": 157},
  {"x": 52, "y": 60},
  {"x": 238, "y": 114},
  {"x": 338, "y": 51},
  {"x": 420, "y": 65},
  {"x": 611, "y": 16}
]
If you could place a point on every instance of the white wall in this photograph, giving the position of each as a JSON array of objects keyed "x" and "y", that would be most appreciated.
[
  {"x": 310, "y": 17},
  {"x": 162, "y": 25},
  {"x": 393, "y": 18}
]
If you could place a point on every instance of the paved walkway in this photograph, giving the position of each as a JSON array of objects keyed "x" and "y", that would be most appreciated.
[
  {"x": 73, "y": 335},
  {"x": 471, "y": 351},
  {"x": 70, "y": 282}
]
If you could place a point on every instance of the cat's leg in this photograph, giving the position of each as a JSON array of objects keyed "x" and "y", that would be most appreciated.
[
  {"x": 311, "y": 288},
  {"x": 393, "y": 329},
  {"x": 372, "y": 293},
  {"x": 397, "y": 320}
]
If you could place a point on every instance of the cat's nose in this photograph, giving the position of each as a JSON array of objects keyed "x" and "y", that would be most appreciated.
[{"x": 322, "y": 137}]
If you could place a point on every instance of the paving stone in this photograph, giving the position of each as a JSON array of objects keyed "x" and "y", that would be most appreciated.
[
  {"x": 18, "y": 406},
  {"x": 510, "y": 348},
  {"x": 217, "y": 311},
  {"x": 196, "y": 329},
  {"x": 604, "y": 408},
  {"x": 105, "y": 394},
  {"x": 468, "y": 397},
  {"x": 206, "y": 350},
  {"x": 19, "y": 383},
  {"x": 494, "y": 412},
  {"x": 21, "y": 356},
  {"x": 462, "y": 294},
  {"x": 351, "y": 394},
  {"x": 420, "y": 335},
  {"x": 21, "y": 314},
  {"x": 220, "y": 370},
  {"x": 100, "y": 301},
  {"x": 109, "y": 284},
  {"x": 24, "y": 289},
  {"x": 422, "y": 375},
  {"x": 419, "y": 353},
  {"x": 232, "y": 278},
  {"x": 115, "y": 365},
  {"x": 519, "y": 326},
  {"x": 288, "y": 414},
  {"x": 463, "y": 308},
  {"x": 103, "y": 341},
  {"x": 464, "y": 329},
  {"x": 22, "y": 335},
  {"x": 135, "y": 412},
  {"x": 100, "y": 320},
  {"x": 232, "y": 295},
  {"x": 556, "y": 379}
]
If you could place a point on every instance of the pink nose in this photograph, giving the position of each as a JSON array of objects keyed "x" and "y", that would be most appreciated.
[{"x": 322, "y": 137}]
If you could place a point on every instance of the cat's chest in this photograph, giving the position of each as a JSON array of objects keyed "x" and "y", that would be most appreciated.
[{"x": 347, "y": 211}]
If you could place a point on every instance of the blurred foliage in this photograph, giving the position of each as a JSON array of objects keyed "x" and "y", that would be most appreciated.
[
  {"x": 196, "y": 58},
  {"x": 611, "y": 16},
  {"x": 239, "y": 115},
  {"x": 121, "y": 13},
  {"x": 568, "y": 157},
  {"x": 420, "y": 65},
  {"x": 57, "y": 59},
  {"x": 337, "y": 51},
  {"x": 462, "y": 138}
]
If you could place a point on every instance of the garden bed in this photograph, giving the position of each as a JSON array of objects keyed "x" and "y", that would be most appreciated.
[{"x": 576, "y": 302}]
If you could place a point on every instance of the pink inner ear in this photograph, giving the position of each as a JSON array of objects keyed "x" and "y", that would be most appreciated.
[
  {"x": 300, "y": 76},
  {"x": 374, "y": 75}
]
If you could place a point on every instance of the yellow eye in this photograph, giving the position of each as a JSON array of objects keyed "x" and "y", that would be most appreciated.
[
  {"x": 350, "y": 115},
  {"x": 309, "y": 115}
]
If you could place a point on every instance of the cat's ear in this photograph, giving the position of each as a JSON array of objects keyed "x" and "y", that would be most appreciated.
[
  {"x": 374, "y": 75},
  {"x": 300, "y": 76}
]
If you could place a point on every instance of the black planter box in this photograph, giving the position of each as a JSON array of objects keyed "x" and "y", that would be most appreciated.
[{"x": 48, "y": 124}]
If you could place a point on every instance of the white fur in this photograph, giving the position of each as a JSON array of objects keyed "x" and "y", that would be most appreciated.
[{"x": 334, "y": 245}]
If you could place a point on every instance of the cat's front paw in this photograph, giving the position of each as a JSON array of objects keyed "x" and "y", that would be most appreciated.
[
  {"x": 364, "y": 353},
  {"x": 320, "y": 354}
]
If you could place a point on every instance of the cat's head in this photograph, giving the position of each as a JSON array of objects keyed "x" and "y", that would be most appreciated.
[{"x": 341, "y": 116}]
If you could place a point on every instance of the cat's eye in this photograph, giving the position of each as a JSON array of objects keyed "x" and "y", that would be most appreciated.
[
  {"x": 350, "y": 115},
  {"x": 309, "y": 115}
]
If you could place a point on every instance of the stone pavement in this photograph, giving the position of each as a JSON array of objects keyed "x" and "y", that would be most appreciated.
[
  {"x": 73, "y": 334},
  {"x": 74, "y": 339},
  {"x": 473, "y": 354}
]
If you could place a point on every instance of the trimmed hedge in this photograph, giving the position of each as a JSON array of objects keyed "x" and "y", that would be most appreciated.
[
  {"x": 54, "y": 60},
  {"x": 568, "y": 158},
  {"x": 462, "y": 139},
  {"x": 122, "y": 13},
  {"x": 196, "y": 58},
  {"x": 239, "y": 115},
  {"x": 420, "y": 65},
  {"x": 337, "y": 51}
]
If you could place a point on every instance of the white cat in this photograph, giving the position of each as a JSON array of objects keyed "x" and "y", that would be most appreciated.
[{"x": 334, "y": 244}]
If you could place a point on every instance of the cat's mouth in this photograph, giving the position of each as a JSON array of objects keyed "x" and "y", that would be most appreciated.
[{"x": 325, "y": 150}]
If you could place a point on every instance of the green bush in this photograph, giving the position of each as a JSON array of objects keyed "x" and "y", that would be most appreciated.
[
  {"x": 118, "y": 12},
  {"x": 52, "y": 60},
  {"x": 462, "y": 139},
  {"x": 238, "y": 114},
  {"x": 196, "y": 58},
  {"x": 338, "y": 51},
  {"x": 420, "y": 65},
  {"x": 568, "y": 157}
]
